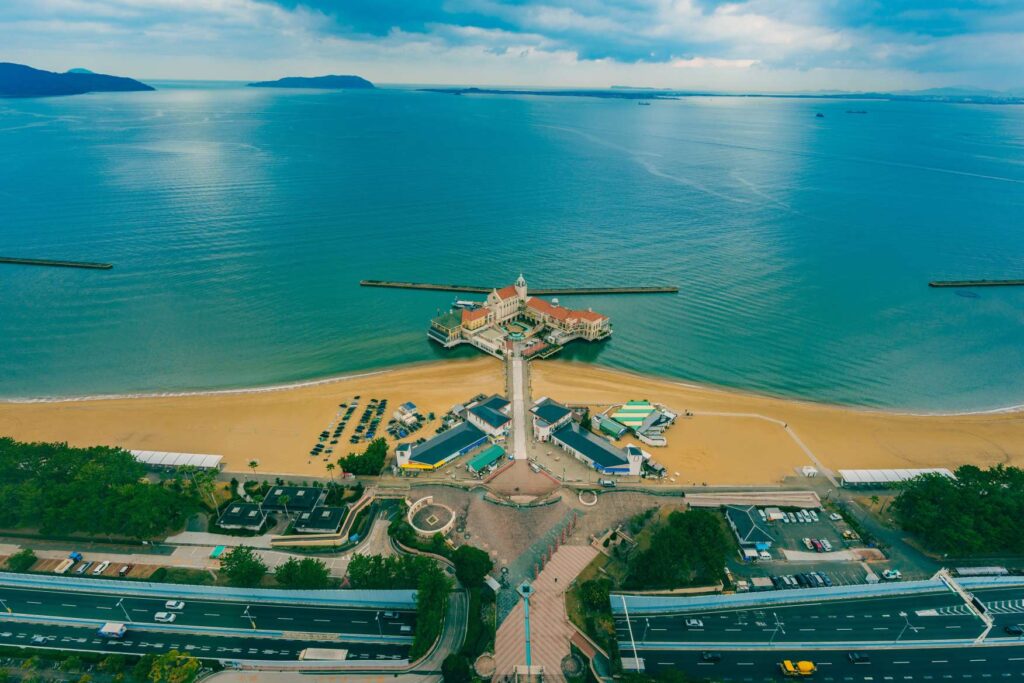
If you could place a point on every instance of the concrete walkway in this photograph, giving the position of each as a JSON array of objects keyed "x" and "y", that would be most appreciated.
[
  {"x": 519, "y": 427},
  {"x": 550, "y": 629}
]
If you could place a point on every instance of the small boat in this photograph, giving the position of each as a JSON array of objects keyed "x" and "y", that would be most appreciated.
[
  {"x": 644, "y": 104},
  {"x": 468, "y": 305},
  {"x": 819, "y": 115}
]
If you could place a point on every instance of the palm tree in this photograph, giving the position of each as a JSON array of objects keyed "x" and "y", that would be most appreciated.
[
  {"x": 253, "y": 464},
  {"x": 330, "y": 470},
  {"x": 874, "y": 500},
  {"x": 284, "y": 502}
]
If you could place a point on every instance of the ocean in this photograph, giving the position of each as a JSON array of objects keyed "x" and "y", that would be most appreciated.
[{"x": 241, "y": 220}]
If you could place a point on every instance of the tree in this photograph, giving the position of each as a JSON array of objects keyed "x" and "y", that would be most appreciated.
[
  {"x": 108, "y": 486},
  {"x": 308, "y": 573},
  {"x": 22, "y": 560},
  {"x": 456, "y": 669},
  {"x": 330, "y": 470},
  {"x": 875, "y": 499},
  {"x": 370, "y": 462},
  {"x": 594, "y": 594},
  {"x": 174, "y": 667},
  {"x": 253, "y": 464},
  {"x": 586, "y": 423},
  {"x": 690, "y": 549},
  {"x": 977, "y": 513},
  {"x": 284, "y": 500},
  {"x": 243, "y": 567},
  {"x": 112, "y": 664},
  {"x": 72, "y": 663},
  {"x": 140, "y": 672},
  {"x": 471, "y": 565}
]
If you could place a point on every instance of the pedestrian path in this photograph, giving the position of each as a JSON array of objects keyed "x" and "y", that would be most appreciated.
[
  {"x": 518, "y": 406},
  {"x": 550, "y": 630}
]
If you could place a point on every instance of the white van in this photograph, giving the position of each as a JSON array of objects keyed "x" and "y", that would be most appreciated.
[{"x": 100, "y": 568}]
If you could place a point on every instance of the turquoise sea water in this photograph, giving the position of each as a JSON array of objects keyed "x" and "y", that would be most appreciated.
[{"x": 240, "y": 221}]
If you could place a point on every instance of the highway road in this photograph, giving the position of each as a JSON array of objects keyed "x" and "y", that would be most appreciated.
[
  {"x": 209, "y": 613},
  {"x": 201, "y": 645},
  {"x": 935, "y": 616},
  {"x": 977, "y": 664}
]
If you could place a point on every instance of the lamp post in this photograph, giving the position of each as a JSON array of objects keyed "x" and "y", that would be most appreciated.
[
  {"x": 127, "y": 617},
  {"x": 248, "y": 615},
  {"x": 647, "y": 625},
  {"x": 778, "y": 627},
  {"x": 380, "y": 630},
  {"x": 6, "y": 606},
  {"x": 907, "y": 625}
]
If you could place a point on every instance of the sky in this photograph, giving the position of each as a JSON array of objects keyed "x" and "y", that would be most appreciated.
[{"x": 744, "y": 45}]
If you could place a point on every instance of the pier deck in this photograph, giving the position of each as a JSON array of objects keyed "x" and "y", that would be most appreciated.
[
  {"x": 976, "y": 283},
  {"x": 55, "y": 264},
  {"x": 540, "y": 291}
]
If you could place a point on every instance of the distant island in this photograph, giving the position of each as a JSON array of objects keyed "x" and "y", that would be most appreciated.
[
  {"x": 317, "y": 82},
  {"x": 622, "y": 93},
  {"x": 18, "y": 80}
]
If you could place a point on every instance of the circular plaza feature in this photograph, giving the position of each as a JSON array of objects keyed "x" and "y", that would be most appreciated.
[{"x": 428, "y": 518}]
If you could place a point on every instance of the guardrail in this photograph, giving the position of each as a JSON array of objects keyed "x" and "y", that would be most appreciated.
[
  {"x": 666, "y": 604},
  {"x": 394, "y": 599}
]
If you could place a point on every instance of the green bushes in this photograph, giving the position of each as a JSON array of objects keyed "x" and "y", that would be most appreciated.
[
  {"x": 243, "y": 566},
  {"x": 370, "y": 462},
  {"x": 978, "y": 513},
  {"x": 21, "y": 561},
  {"x": 690, "y": 549},
  {"x": 307, "y": 573},
  {"x": 98, "y": 490}
]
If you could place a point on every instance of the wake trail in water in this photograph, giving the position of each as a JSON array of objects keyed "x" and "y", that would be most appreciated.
[{"x": 645, "y": 163}]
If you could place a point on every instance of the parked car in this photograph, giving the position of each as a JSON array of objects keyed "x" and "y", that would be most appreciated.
[
  {"x": 174, "y": 605},
  {"x": 858, "y": 658},
  {"x": 83, "y": 567},
  {"x": 817, "y": 545},
  {"x": 808, "y": 544},
  {"x": 826, "y": 545},
  {"x": 791, "y": 517},
  {"x": 694, "y": 623},
  {"x": 813, "y": 514},
  {"x": 764, "y": 517},
  {"x": 764, "y": 555},
  {"x": 123, "y": 571},
  {"x": 892, "y": 575},
  {"x": 100, "y": 568},
  {"x": 165, "y": 617},
  {"x": 802, "y": 580},
  {"x": 835, "y": 517},
  {"x": 1014, "y": 629},
  {"x": 710, "y": 657}
]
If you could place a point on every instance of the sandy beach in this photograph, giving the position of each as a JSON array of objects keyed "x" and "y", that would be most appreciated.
[
  {"x": 755, "y": 448},
  {"x": 276, "y": 427},
  {"x": 733, "y": 438}
]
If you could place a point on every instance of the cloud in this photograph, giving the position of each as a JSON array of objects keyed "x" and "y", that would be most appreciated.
[{"x": 671, "y": 43}]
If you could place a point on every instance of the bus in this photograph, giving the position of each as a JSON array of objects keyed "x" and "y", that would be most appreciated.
[{"x": 113, "y": 629}]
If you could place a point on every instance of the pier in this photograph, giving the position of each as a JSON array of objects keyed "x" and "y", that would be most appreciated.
[
  {"x": 540, "y": 291},
  {"x": 976, "y": 283},
  {"x": 55, "y": 264}
]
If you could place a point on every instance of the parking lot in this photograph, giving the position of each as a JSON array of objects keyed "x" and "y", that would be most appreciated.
[{"x": 809, "y": 542}]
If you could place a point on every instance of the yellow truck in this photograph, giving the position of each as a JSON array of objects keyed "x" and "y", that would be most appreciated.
[{"x": 797, "y": 669}]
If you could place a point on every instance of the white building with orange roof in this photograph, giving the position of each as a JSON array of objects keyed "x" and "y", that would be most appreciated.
[{"x": 509, "y": 315}]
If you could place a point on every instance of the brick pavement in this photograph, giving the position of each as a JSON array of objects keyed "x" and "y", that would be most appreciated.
[{"x": 550, "y": 630}]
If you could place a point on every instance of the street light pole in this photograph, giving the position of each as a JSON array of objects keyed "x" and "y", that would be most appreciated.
[
  {"x": 380, "y": 630},
  {"x": 6, "y": 607},
  {"x": 905, "y": 626},
  {"x": 778, "y": 627},
  {"x": 647, "y": 624},
  {"x": 252, "y": 620},
  {"x": 120, "y": 603}
]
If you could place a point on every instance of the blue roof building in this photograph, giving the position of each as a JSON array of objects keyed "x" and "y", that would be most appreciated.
[
  {"x": 435, "y": 452},
  {"x": 596, "y": 451}
]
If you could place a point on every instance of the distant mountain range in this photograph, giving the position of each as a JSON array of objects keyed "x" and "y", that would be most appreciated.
[
  {"x": 18, "y": 80},
  {"x": 317, "y": 82},
  {"x": 955, "y": 95}
]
